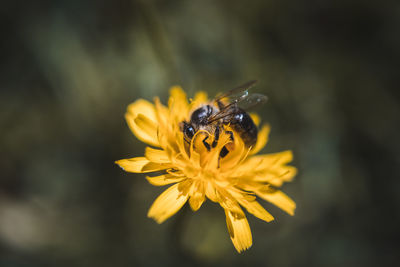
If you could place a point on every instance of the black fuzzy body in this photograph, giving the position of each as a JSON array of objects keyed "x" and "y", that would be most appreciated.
[
  {"x": 241, "y": 122},
  {"x": 236, "y": 118}
]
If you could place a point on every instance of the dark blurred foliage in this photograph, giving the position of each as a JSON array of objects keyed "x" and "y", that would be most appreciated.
[{"x": 70, "y": 68}]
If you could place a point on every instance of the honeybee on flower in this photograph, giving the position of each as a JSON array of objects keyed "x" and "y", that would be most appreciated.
[{"x": 207, "y": 149}]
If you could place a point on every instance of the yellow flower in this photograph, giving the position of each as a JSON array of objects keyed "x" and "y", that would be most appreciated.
[{"x": 234, "y": 181}]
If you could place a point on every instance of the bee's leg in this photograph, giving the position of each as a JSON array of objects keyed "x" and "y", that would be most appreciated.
[
  {"x": 206, "y": 144},
  {"x": 216, "y": 136},
  {"x": 224, "y": 152},
  {"x": 231, "y": 135}
]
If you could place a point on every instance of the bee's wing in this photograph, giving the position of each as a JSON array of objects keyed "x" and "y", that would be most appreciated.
[
  {"x": 245, "y": 103},
  {"x": 228, "y": 110},
  {"x": 252, "y": 101},
  {"x": 236, "y": 94}
]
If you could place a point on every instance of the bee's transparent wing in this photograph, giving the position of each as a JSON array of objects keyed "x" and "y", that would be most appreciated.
[
  {"x": 234, "y": 98},
  {"x": 245, "y": 103},
  {"x": 236, "y": 94},
  {"x": 252, "y": 101}
]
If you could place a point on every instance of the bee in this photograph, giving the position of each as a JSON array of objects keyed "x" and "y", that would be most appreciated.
[{"x": 214, "y": 117}]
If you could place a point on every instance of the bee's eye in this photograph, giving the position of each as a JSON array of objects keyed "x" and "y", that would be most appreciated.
[{"x": 189, "y": 131}]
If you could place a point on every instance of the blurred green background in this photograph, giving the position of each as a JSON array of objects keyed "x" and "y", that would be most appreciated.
[{"x": 70, "y": 68}]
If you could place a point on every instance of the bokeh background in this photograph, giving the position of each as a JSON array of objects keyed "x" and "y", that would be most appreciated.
[{"x": 70, "y": 68}]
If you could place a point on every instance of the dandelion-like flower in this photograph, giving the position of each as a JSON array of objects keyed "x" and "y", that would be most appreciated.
[{"x": 234, "y": 180}]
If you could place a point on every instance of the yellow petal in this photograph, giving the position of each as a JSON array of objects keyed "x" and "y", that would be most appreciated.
[
  {"x": 239, "y": 231},
  {"x": 147, "y": 128},
  {"x": 200, "y": 98},
  {"x": 185, "y": 186},
  {"x": 145, "y": 109},
  {"x": 211, "y": 192},
  {"x": 232, "y": 160},
  {"x": 279, "y": 158},
  {"x": 265, "y": 163},
  {"x": 178, "y": 104},
  {"x": 156, "y": 155},
  {"x": 162, "y": 114},
  {"x": 179, "y": 146},
  {"x": 278, "y": 176},
  {"x": 167, "y": 204},
  {"x": 229, "y": 203},
  {"x": 256, "y": 209},
  {"x": 279, "y": 199},
  {"x": 196, "y": 201},
  {"x": 211, "y": 159},
  {"x": 198, "y": 152},
  {"x": 164, "y": 179},
  {"x": 197, "y": 195},
  {"x": 133, "y": 164},
  {"x": 269, "y": 168},
  {"x": 256, "y": 119},
  {"x": 262, "y": 139},
  {"x": 140, "y": 165}
]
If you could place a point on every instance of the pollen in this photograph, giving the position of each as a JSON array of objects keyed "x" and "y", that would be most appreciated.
[{"x": 236, "y": 179}]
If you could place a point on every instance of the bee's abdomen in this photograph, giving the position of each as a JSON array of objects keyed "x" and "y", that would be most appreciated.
[{"x": 245, "y": 127}]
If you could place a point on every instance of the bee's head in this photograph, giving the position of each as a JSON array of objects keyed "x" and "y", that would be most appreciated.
[{"x": 200, "y": 116}]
